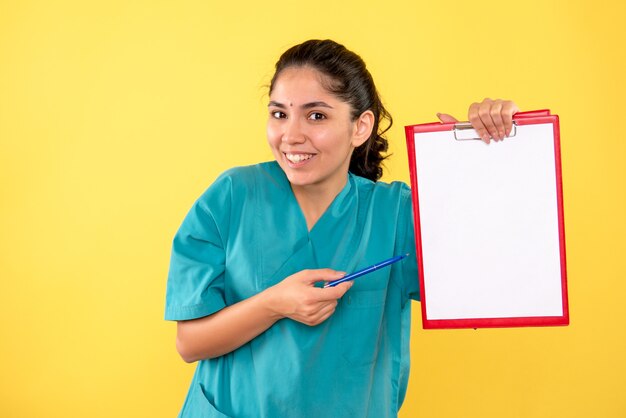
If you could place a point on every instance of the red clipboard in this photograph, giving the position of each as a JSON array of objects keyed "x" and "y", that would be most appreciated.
[{"x": 489, "y": 228}]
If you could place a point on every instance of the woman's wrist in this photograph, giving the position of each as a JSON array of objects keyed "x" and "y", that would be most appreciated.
[{"x": 269, "y": 302}]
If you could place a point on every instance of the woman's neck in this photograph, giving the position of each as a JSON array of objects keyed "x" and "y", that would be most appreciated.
[{"x": 315, "y": 199}]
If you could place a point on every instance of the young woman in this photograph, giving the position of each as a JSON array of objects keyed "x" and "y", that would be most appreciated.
[{"x": 248, "y": 260}]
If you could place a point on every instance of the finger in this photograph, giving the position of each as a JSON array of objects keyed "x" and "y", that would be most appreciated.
[
  {"x": 325, "y": 317},
  {"x": 312, "y": 276},
  {"x": 322, "y": 315},
  {"x": 331, "y": 305},
  {"x": 311, "y": 314},
  {"x": 477, "y": 123},
  {"x": 313, "y": 309},
  {"x": 445, "y": 118},
  {"x": 327, "y": 312},
  {"x": 335, "y": 292},
  {"x": 496, "y": 117},
  {"x": 484, "y": 112},
  {"x": 508, "y": 110}
]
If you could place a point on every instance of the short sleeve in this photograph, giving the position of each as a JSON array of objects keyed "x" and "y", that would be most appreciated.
[
  {"x": 195, "y": 284},
  {"x": 410, "y": 274}
]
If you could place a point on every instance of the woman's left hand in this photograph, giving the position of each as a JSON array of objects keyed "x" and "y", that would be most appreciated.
[{"x": 491, "y": 119}]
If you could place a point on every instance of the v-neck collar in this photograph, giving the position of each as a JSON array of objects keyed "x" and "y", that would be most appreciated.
[{"x": 336, "y": 202}]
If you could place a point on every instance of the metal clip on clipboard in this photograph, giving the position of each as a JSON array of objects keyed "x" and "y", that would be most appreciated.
[{"x": 463, "y": 131}]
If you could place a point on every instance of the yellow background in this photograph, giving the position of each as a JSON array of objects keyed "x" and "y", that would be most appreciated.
[{"x": 116, "y": 115}]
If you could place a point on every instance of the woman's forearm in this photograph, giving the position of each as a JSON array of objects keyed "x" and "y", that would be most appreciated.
[
  {"x": 225, "y": 330},
  {"x": 295, "y": 298}
]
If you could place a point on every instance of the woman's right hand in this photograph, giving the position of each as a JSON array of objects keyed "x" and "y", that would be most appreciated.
[
  {"x": 492, "y": 119},
  {"x": 297, "y": 298}
]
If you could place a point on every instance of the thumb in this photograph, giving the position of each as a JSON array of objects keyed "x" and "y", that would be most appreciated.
[
  {"x": 445, "y": 118},
  {"x": 327, "y": 275}
]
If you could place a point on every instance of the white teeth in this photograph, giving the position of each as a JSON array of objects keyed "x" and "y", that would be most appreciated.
[{"x": 296, "y": 158}]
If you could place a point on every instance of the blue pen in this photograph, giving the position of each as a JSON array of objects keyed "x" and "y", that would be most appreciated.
[{"x": 366, "y": 270}]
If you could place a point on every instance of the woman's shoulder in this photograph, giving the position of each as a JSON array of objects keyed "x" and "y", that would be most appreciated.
[
  {"x": 240, "y": 180},
  {"x": 247, "y": 173},
  {"x": 383, "y": 190}
]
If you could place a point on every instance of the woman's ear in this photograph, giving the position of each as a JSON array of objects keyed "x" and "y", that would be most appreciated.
[{"x": 363, "y": 128}]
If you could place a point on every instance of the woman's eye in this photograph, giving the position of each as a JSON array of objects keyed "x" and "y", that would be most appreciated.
[
  {"x": 277, "y": 114},
  {"x": 317, "y": 116}
]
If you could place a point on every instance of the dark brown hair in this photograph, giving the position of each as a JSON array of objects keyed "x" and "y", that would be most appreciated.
[{"x": 351, "y": 82}]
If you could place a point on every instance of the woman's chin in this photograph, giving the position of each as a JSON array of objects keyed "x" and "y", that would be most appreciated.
[{"x": 299, "y": 179}]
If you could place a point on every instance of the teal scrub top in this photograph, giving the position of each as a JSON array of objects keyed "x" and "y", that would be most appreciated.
[{"x": 247, "y": 233}]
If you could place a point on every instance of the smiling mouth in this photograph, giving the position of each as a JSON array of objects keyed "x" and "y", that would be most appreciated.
[{"x": 298, "y": 158}]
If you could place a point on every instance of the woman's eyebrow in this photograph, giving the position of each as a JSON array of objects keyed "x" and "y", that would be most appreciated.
[
  {"x": 276, "y": 104},
  {"x": 316, "y": 104},
  {"x": 304, "y": 106}
]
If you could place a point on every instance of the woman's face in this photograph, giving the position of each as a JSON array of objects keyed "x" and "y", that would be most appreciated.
[{"x": 310, "y": 131}]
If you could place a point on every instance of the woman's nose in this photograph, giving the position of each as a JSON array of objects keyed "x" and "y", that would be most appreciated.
[{"x": 293, "y": 133}]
